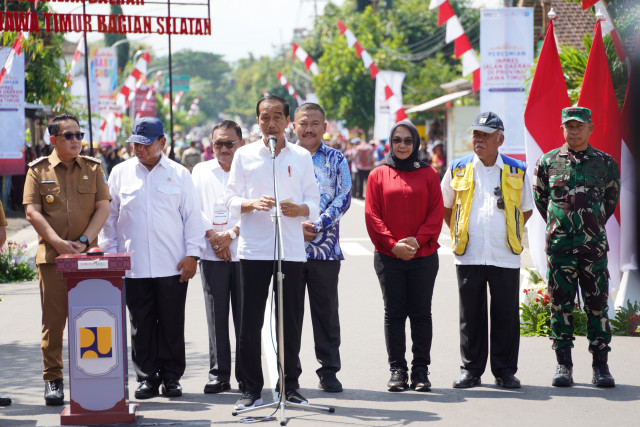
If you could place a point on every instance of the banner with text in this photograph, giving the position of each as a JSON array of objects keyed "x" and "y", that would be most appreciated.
[
  {"x": 385, "y": 118},
  {"x": 506, "y": 53},
  {"x": 12, "y": 116}
]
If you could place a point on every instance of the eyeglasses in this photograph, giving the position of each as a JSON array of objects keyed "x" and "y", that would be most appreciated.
[
  {"x": 405, "y": 141},
  {"x": 70, "y": 135},
  {"x": 228, "y": 144},
  {"x": 498, "y": 193}
]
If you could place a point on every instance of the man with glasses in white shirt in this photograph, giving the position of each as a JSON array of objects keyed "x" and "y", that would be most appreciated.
[
  {"x": 219, "y": 266},
  {"x": 250, "y": 192},
  {"x": 156, "y": 215}
]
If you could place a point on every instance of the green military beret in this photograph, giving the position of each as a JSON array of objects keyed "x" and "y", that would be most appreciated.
[{"x": 580, "y": 114}]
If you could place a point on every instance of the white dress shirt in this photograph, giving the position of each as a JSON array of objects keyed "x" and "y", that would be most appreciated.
[
  {"x": 154, "y": 214},
  {"x": 210, "y": 181},
  {"x": 487, "y": 226},
  {"x": 251, "y": 177}
]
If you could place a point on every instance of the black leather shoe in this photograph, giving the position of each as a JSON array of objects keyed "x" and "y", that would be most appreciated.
[
  {"x": 508, "y": 381},
  {"x": 171, "y": 388},
  {"x": 54, "y": 392},
  {"x": 466, "y": 380},
  {"x": 398, "y": 380},
  {"x": 4, "y": 400},
  {"x": 216, "y": 386},
  {"x": 148, "y": 388},
  {"x": 330, "y": 383},
  {"x": 420, "y": 380}
]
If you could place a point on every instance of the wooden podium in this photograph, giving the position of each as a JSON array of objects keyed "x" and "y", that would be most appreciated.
[{"x": 97, "y": 339}]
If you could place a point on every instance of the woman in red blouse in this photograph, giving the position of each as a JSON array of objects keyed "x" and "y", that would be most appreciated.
[{"x": 403, "y": 213}]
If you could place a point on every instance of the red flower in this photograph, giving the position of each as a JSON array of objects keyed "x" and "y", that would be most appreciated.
[{"x": 525, "y": 291}]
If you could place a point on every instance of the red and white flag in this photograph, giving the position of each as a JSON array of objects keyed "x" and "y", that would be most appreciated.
[
  {"x": 395, "y": 103},
  {"x": 303, "y": 56},
  {"x": 628, "y": 215},
  {"x": 133, "y": 82},
  {"x": 598, "y": 95},
  {"x": 176, "y": 100},
  {"x": 76, "y": 56},
  {"x": 292, "y": 91},
  {"x": 462, "y": 46},
  {"x": 608, "y": 27},
  {"x": 166, "y": 99},
  {"x": 542, "y": 132},
  {"x": 15, "y": 51},
  {"x": 194, "y": 109}
]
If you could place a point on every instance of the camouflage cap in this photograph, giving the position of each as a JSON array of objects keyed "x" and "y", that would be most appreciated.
[{"x": 580, "y": 114}]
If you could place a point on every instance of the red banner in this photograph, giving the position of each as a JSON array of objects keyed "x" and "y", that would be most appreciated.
[{"x": 120, "y": 24}]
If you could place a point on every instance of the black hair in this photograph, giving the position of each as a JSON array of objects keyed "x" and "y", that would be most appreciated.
[
  {"x": 54, "y": 125},
  {"x": 309, "y": 106},
  {"x": 228, "y": 124},
  {"x": 273, "y": 98}
]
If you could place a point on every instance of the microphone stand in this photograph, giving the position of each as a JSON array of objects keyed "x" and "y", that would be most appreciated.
[{"x": 282, "y": 401}]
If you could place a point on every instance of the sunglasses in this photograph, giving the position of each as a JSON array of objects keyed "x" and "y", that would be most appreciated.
[
  {"x": 406, "y": 141},
  {"x": 498, "y": 193},
  {"x": 70, "y": 135},
  {"x": 228, "y": 144}
]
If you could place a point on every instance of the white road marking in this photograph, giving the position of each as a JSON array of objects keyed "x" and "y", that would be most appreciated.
[{"x": 354, "y": 249}]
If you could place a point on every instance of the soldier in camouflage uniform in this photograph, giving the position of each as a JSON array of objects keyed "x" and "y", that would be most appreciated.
[{"x": 576, "y": 189}]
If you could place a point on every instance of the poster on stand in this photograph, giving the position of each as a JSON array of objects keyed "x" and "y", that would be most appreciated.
[
  {"x": 506, "y": 54},
  {"x": 12, "y": 120}
]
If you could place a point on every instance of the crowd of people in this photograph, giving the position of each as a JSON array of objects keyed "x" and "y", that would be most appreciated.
[{"x": 217, "y": 213}]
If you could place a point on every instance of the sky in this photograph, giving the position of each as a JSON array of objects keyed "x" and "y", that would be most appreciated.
[{"x": 239, "y": 27}]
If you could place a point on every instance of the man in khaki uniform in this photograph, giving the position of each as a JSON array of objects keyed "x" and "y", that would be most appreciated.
[{"x": 66, "y": 199}]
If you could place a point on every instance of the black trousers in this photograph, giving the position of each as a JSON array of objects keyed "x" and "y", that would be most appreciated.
[
  {"x": 362, "y": 175},
  {"x": 407, "y": 288},
  {"x": 256, "y": 277},
  {"x": 221, "y": 285},
  {"x": 156, "y": 311},
  {"x": 504, "y": 286},
  {"x": 321, "y": 279}
]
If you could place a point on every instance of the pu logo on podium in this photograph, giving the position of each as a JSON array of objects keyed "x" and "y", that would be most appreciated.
[{"x": 95, "y": 343}]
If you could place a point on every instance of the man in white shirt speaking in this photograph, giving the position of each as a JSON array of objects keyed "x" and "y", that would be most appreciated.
[
  {"x": 250, "y": 192},
  {"x": 219, "y": 266},
  {"x": 156, "y": 215}
]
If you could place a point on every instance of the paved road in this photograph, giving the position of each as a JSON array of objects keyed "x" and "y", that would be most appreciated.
[{"x": 364, "y": 374}]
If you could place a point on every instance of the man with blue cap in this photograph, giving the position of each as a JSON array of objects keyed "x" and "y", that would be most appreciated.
[
  {"x": 155, "y": 215},
  {"x": 487, "y": 200}
]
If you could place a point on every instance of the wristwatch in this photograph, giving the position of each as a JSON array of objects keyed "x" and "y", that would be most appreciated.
[
  {"x": 84, "y": 239},
  {"x": 232, "y": 234},
  {"x": 196, "y": 258}
]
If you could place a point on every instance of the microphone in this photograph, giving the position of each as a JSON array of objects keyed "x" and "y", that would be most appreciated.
[{"x": 272, "y": 141}]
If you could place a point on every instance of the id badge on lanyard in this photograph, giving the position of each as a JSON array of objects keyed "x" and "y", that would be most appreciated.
[{"x": 220, "y": 217}]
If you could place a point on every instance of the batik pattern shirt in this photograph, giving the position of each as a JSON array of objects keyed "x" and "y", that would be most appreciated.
[{"x": 334, "y": 182}]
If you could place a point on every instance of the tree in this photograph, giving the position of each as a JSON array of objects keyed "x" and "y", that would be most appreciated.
[
  {"x": 209, "y": 78},
  {"x": 250, "y": 78},
  {"x": 405, "y": 38},
  {"x": 111, "y": 38}
]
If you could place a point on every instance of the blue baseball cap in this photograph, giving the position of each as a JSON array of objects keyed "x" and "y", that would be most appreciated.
[
  {"x": 146, "y": 130},
  {"x": 487, "y": 122}
]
